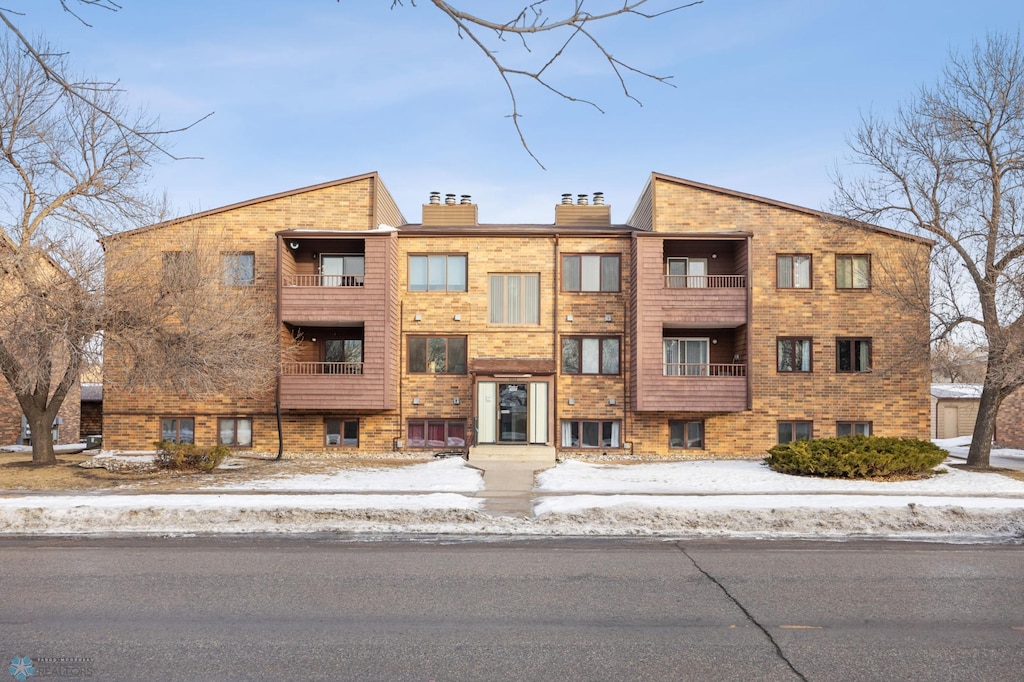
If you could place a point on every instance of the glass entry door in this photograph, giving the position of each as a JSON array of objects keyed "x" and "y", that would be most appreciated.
[{"x": 512, "y": 413}]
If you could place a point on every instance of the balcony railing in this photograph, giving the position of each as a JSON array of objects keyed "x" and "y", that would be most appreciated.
[
  {"x": 323, "y": 280},
  {"x": 317, "y": 368},
  {"x": 698, "y": 369},
  {"x": 705, "y": 281}
]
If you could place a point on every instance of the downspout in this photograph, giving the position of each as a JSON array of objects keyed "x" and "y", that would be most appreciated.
[
  {"x": 277, "y": 401},
  {"x": 750, "y": 321},
  {"x": 555, "y": 428},
  {"x": 401, "y": 370}
]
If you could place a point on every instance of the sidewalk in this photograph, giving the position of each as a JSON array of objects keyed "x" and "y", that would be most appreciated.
[{"x": 681, "y": 499}]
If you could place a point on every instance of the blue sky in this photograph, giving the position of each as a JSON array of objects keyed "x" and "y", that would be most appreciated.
[{"x": 307, "y": 91}]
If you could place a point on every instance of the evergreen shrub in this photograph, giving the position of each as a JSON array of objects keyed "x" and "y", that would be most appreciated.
[{"x": 856, "y": 457}]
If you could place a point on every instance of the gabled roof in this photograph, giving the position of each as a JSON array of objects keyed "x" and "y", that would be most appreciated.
[
  {"x": 243, "y": 204},
  {"x": 831, "y": 217}
]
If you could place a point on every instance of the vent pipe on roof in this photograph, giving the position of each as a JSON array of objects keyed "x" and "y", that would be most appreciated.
[
  {"x": 435, "y": 198},
  {"x": 581, "y": 200},
  {"x": 449, "y": 199},
  {"x": 598, "y": 198},
  {"x": 566, "y": 200},
  {"x": 465, "y": 199}
]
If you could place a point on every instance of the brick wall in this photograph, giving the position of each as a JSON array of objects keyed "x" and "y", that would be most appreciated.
[{"x": 1010, "y": 422}]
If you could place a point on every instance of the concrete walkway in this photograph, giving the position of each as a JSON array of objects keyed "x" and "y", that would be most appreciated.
[{"x": 509, "y": 472}]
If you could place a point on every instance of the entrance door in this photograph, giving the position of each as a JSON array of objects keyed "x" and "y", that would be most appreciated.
[
  {"x": 512, "y": 413},
  {"x": 950, "y": 422}
]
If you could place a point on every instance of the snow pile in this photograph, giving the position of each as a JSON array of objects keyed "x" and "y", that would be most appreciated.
[
  {"x": 958, "y": 447},
  {"x": 444, "y": 475},
  {"x": 121, "y": 463}
]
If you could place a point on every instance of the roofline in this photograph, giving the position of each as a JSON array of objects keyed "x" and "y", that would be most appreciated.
[
  {"x": 242, "y": 204},
  {"x": 823, "y": 215}
]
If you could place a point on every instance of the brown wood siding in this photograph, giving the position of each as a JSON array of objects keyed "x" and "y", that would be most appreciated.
[
  {"x": 657, "y": 308},
  {"x": 385, "y": 208},
  {"x": 338, "y": 391},
  {"x": 583, "y": 216},
  {"x": 642, "y": 217}
]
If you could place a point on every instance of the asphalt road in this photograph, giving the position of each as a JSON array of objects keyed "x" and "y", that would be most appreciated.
[{"x": 324, "y": 608}]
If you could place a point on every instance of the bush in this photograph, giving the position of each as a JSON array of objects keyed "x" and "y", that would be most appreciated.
[
  {"x": 856, "y": 457},
  {"x": 186, "y": 456}
]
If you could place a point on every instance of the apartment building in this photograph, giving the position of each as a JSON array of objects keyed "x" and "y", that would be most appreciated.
[{"x": 711, "y": 323}]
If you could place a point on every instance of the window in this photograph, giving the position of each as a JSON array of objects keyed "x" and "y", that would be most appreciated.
[
  {"x": 853, "y": 355},
  {"x": 853, "y": 272},
  {"x": 343, "y": 356},
  {"x": 179, "y": 271},
  {"x": 684, "y": 434},
  {"x": 794, "y": 271},
  {"x": 590, "y": 434},
  {"x": 514, "y": 299},
  {"x": 235, "y": 431},
  {"x": 436, "y": 433},
  {"x": 239, "y": 269},
  {"x": 178, "y": 429},
  {"x": 687, "y": 272},
  {"x": 794, "y": 355},
  {"x": 853, "y": 429},
  {"x": 341, "y": 432},
  {"x": 441, "y": 272},
  {"x": 790, "y": 431},
  {"x": 342, "y": 271},
  {"x": 686, "y": 357},
  {"x": 437, "y": 355},
  {"x": 585, "y": 355},
  {"x": 590, "y": 273}
]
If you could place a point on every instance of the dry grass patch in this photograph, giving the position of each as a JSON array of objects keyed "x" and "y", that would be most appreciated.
[{"x": 17, "y": 472}]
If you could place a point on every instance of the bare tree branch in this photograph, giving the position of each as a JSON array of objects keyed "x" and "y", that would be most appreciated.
[{"x": 951, "y": 166}]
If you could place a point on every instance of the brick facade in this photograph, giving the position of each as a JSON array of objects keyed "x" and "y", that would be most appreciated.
[
  {"x": 733, "y": 309},
  {"x": 1010, "y": 422}
]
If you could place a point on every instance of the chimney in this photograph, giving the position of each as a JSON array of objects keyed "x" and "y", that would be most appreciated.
[
  {"x": 451, "y": 213},
  {"x": 583, "y": 213}
]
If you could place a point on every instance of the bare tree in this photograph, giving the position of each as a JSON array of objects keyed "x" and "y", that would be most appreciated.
[
  {"x": 508, "y": 39},
  {"x": 950, "y": 165},
  {"x": 570, "y": 23},
  {"x": 72, "y": 170},
  {"x": 957, "y": 362}
]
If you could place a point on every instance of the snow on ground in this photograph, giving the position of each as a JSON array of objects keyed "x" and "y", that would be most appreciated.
[
  {"x": 673, "y": 499},
  {"x": 708, "y": 477},
  {"x": 958, "y": 448},
  {"x": 444, "y": 475}
]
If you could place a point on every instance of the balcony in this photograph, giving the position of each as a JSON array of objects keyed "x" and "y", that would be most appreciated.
[
  {"x": 705, "y": 281},
  {"x": 330, "y": 386},
  {"x": 697, "y": 369},
  {"x": 323, "y": 280}
]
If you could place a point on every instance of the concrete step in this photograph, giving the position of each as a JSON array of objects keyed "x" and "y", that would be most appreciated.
[{"x": 541, "y": 454}]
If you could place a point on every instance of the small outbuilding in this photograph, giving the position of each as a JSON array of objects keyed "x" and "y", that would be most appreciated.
[{"x": 954, "y": 409}]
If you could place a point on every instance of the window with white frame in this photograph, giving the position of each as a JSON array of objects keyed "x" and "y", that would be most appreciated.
[
  {"x": 590, "y": 433},
  {"x": 590, "y": 272},
  {"x": 514, "y": 299}
]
